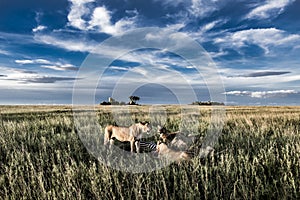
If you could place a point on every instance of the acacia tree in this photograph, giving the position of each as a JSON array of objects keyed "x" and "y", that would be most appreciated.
[{"x": 133, "y": 100}]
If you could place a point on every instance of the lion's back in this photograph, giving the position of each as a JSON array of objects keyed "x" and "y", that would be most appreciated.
[{"x": 121, "y": 133}]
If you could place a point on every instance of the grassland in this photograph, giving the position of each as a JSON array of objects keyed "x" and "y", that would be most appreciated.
[{"x": 257, "y": 156}]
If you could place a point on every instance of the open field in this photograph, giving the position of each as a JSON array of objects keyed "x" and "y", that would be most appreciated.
[{"x": 257, "y": 155}]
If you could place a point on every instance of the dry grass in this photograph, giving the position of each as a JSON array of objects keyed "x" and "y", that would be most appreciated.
[{"x": 258, "y": 156}]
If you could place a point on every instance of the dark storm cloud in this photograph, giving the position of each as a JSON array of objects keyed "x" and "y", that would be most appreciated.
[
  {"x": 263, "y": 73},
  {"x": 266, "y": 73}
]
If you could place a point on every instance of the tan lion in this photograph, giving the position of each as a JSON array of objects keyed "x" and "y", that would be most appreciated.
[
  {"x": 173, "y": 155},
  {"x": 131, "y": 134}
]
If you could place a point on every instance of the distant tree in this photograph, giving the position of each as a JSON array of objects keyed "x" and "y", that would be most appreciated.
[
  {"x": 133, "y": 100},
  {"x": 105, "y": 103}
]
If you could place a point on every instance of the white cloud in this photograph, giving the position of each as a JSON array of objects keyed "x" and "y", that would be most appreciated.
[
  {"x": 24, "y": 61},
  {"x": 15, "y": 38},
  {"x": 157, "y": 59},
  {"x": 171, "y": 2},
  {"x": 120, "y": 49},
  {"x": 207, "y": 32},
  {"x": 211, "y": 25},
  {"x": 23, "y": 79},
  {"x": 218, "y": 54},
  {"x": 12, "y": 75},
  {"x": 42, "y": 79},
  {"x": 61, "y": 67},
  {"x": 39, "y": 28},
  {"x": 118, "y": 68},
  {"x": 48, "y": 64},
  {"x": 270, "y": 8},
  {"x": 34, "y": 61},
  {"x": 12, "y": 71},
  {"x": 247, "y": 78},
  {"x": 4, "y": 52},
  {"x": 78, "y": 10},
  {"x": 264, "y": 37},
  {"x": 81, "y": 46},
  {"x": 262, "y": 94},
  {"x": 68, "y": 44},
  {"x": 100, "y": 18},
  {"x": 203, "y": 8},
  {"x": 175, "y": 27}
]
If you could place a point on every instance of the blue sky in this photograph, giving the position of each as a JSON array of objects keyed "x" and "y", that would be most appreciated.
[{"x": 255, "y": 46}]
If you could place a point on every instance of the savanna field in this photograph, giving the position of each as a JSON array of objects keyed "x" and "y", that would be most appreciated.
[{"x": 257, "y": 155}]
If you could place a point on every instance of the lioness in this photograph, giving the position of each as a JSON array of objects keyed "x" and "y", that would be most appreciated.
[
  {"x": 165, "y": 152},
  {"x": 131, "y": 134}
]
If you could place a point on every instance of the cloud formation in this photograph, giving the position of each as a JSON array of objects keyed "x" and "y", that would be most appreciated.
[
  {"x": 203, "y": 8},
  {"x": 242, "y": 36},
  {"x": 67, "y": 44},
  {"x": 263, "y": 37},
  {"x": 270, "y": 8},
  {"x": 172, "y": 3},
  {"x": 34, "y": 61},
  {"x": 61, "y": 67},
  {"x": 43, "y": 79},
  {"x": 20, "y": 77},
  {"x": 101, "y": 21},
  {"x": 262, "y": 94},
  {"x": 58, "y": 66},
  {"x": 100, "y": 18},
  {"x": 211, "y": 25},
  {"x": 10, "y": 70},
  {"x": 3, "y": 52},
  {"x": 78, "y": 10},
  {"x": 39, "y": 28}
]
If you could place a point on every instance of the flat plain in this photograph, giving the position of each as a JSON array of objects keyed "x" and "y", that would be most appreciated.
[{"x": 257, "y": 154}]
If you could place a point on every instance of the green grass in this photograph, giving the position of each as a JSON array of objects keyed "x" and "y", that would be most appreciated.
[{"x": 257, "y": 156}]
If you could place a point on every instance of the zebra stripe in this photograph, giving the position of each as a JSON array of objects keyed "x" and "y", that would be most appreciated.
[{"x": 148, "y": 145}]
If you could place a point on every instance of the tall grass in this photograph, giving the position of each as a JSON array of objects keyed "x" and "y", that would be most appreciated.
[{"x": 257, "y": 156}]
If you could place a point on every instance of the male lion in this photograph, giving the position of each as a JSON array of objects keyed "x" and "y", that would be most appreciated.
[
  {"x": 177, "y": 140},
  {"x": 131, "y": 134},
  {"x": 165, "y": 134}
]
